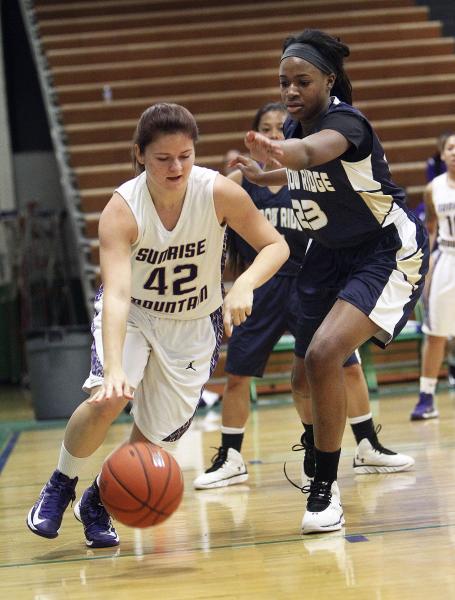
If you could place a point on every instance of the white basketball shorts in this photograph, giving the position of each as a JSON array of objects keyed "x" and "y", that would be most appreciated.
[
  {"x": 439, "y": 296},
  {"x": 168, "y": 362}
]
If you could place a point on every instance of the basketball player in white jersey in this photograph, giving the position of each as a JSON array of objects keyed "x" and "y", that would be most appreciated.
[
  {"x": 439, "y": 295},
  {"x": 159, "y": 314}
]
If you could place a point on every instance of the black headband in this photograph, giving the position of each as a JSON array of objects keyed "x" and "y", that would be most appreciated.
[{"x": 310, "y": 54}]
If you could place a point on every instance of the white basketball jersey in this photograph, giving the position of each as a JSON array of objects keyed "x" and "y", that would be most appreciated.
[
  {"x": 444, "y": 203},
  {"x": 177, "y": 274}
]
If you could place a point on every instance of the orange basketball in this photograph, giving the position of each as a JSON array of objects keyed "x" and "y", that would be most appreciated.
[{"x": 141, "y": 484}]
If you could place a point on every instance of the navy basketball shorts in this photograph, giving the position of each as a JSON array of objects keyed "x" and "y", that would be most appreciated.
[
  {"x": 383, "y": 277},
  {"x": 276, "y": 308},
  {"x": 315, "y": 304}
]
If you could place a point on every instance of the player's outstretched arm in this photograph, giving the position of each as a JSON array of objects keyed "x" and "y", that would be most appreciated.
[{"x": 298, "y": 154}]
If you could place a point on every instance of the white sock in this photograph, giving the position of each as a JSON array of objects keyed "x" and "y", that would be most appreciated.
[
  {"x": 232, "y": 430},
  {"x": 428, "y": 385},
  {"x": 361, "y": 419},
  {"x": 68, "y": 464}
]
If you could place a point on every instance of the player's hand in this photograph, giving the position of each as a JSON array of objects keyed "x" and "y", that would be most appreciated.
[
  {"x": 248, "y": 167},
  {"x": 115, "y": 385},
  {"x": 263, "y": 149},
  {"x": 237, "y": 306}
]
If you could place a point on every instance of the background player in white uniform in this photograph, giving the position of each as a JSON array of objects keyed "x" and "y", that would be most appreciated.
[
  {"x": 158, "y": 323},
  {"x": 439, "y": 295}
]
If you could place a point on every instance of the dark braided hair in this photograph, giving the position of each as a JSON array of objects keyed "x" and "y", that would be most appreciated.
[{"x": 334, "y": 51}]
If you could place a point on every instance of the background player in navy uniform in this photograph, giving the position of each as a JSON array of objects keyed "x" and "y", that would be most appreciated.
[
  {"x": 344, "y": 198},
  {"x": 439, "y": 297},
  {"x": 275, "y": 312},
  {"x": 434, "y": 166},
  {"x": 159, "y": 311}
]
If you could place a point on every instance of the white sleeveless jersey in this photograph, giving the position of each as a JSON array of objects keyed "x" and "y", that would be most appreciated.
[
  {"x": 444, "y": 203},
  {"x": 177, "y": 274}
]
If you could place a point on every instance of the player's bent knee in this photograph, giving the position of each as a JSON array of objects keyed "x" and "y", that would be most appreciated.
[
  {"x": 107, "y": 408},
  {"x": 235, "y": 382},
  {"x": 299, "y": 384},
  {"x": 319, "y": 357}
]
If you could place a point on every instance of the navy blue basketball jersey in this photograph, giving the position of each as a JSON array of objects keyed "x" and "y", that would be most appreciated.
[
  {"x": 277, "y": 209},
  {"x": 347, "y": 200}
]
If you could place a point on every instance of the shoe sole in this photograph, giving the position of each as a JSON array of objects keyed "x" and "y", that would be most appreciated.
[
  {"x": 48, "y": 536},
  {"x": 222, "y": 482},
  {"x": 43, "y": 535},
  {"x": 334, "y": 527},
  {"x": 372, "y": 469},
  {"x": 424, "y": 418},
  {"x": 90, "y": 544}
]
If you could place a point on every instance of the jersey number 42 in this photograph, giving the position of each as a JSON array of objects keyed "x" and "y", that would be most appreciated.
[{"x": 157, "y": 280}]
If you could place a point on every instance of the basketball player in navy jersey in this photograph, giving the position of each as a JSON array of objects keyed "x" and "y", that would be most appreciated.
[
  {"x": 159, "y": 313},
  {"x": 276, "y": 310},
  {"x": 364, "y": 269}
]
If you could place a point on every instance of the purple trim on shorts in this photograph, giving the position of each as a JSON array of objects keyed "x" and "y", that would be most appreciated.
[
  {"x": 218, "y": 328},
  {"x": 99, "y": 293},
  {"x": 217, "y": 323},
  {"x": 223, "y": 262},
  {"x": 96, "y": 367},
  {"x": 177, "y": 434}
]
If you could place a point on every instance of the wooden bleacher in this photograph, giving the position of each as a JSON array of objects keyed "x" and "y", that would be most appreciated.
[{"x": 208, "y": 59}]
